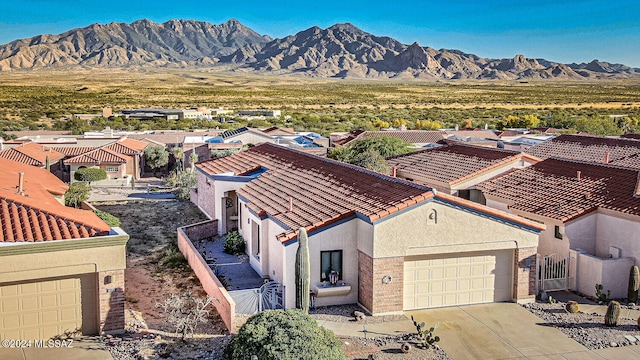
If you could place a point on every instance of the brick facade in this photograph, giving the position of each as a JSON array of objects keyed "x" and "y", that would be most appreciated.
[
  {"x": 206, "y": 195},
  {"x": 525, "y": 277},
  {"x": 111, "y": 301},
  {"x": 374, "y": 294}
]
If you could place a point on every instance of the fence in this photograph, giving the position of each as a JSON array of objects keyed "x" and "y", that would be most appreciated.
[{"x": 224, "y": 304}]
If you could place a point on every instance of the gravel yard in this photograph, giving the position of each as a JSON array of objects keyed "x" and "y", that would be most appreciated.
[{"x": 586, "y": 328}]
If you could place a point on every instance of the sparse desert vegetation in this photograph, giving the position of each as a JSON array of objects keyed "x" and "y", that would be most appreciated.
[{"x": 39, "y": 99}]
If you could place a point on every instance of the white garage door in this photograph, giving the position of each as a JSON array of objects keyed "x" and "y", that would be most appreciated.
[
  {"x": 457, "y": 279},
  {"x": 40, "y": 310}
]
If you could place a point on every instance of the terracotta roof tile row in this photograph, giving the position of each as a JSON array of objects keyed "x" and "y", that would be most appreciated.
[
  {"x": 564, "y": 189},
  {"x": 321, "y": 190},
  {"x": 302, "y": 190},
  {"x": 452, "y": 163},
  {"x": 622, "y": 152},
  {"x": 97, "y": 156},
  {"x": 128, "y": 146},
  {"x": 74, "y": 151},
  {"x": 31, "y": 154},
  {"x": 35, "y": 214}
]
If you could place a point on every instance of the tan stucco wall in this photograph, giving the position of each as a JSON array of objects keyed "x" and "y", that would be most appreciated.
[
  {"x": 64, "y": 261},
  {"x": 619, "y": 230},
  {"x": 454, "y": 230},
  {"x": 582, "y": 233}
]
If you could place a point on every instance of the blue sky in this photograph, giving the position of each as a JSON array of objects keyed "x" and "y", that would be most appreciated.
[{"x": 563, "y": 31}]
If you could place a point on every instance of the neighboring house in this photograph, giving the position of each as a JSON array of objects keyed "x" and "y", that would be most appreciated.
[
  {"x": 133, "y": 151},
  {"x": 591, "y": 212},
  {"x": 246, "y": 135},
  {"x": 418, "y": 138},
  {"x": 456, "y": 168},
  {"x": 122, "y": 159},
  {"x": 614, "y": 151},
  {"x": 486, "y": 138},
  {"x": 34, "y": 154},
  {"x": 113, "y": 163},
  {"x": 61, "y": 269},
  {"x": 395, "y": 245}
]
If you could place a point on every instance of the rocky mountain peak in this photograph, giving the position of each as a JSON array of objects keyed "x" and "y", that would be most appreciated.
[{"x": 341, "y": 50}]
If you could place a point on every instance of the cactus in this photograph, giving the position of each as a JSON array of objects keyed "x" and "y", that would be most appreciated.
[
  {"x": 613, "y": 313},
  {"x": 572, "y": 307},
  {"x": 426, "y": 334},
  {"x": 602, "y": 297},
  {"x": 303, "y": 271},
  {"x": 634, "y": 285}
]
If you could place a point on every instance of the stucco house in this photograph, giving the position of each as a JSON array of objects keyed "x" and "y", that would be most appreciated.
[
  {"x": 591, "y": 212},
  {"x": 122, "y": 159},
  {"x": 456, "y": 168},
  {"x": 34, "y": 154},
  {"x": 395, "y": 245},
  {"x": 61, "y": 269},
  {"x": 615, "y": 151}
]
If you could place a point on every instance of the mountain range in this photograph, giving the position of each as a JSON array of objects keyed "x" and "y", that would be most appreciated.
[{"x": 340, "y": 51}]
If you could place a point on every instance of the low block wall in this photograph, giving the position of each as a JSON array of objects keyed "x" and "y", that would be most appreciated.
[
  {"x": 613, "y": 274},
  {"x": 224, "y": 304}
]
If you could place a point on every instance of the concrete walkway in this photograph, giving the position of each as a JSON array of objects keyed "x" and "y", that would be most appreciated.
[
  {"x": 490, "y": 331},
  {"x": 82, "y": 349}
]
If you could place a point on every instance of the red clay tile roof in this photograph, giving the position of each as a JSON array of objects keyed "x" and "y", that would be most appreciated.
[
  {"x": 452, "y": 163},
  {"x": 323, "y": 191},
  {"x": 622, "y": 152},
  {"x": 96, "y": 157},
  {"x": 36, "y": 215},
  {"x": 551, "y": 189},
  {"x": 128, "y": 146},
  {"x": 74, "y": 151},
  {"x": 31, "y": 154}
]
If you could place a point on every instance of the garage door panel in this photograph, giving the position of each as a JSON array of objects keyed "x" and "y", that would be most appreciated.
[
  {"x": 42, "y": 309},
  {"x": 458, "y": 279}
]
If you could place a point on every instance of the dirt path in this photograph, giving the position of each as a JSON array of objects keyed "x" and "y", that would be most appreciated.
[{"x": 154, "y": 272}]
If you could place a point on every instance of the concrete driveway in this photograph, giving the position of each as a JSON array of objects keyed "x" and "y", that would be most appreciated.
[{"x": 499, "y": 331}]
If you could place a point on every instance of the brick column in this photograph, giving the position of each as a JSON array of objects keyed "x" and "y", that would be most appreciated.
[
  {"x": 525, "y": 277},
  {"x": 111, "y": 301},
  {"x": 374, "y": 294}
]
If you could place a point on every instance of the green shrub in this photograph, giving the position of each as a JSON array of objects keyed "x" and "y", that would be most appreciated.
[
  {"x": 284, "y": 335},
  {"x": 77, "y": 193},
  {"x": 111, "y": 220},
  {"x": 234, "y": 243},
  {"x": 173, "y": 258},
  {"x": 90, "y": 174}
]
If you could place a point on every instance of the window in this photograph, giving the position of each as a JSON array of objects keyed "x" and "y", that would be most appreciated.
[
  {"x": 255, "y": 237},
  {"x": 240, "y": 215},
  {"x": 330, "y": 261},
  {"x": 557, "y": 232},
  {"x": 111, "y": 169}
]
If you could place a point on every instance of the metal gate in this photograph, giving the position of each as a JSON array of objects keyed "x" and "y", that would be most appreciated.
[
  {"x": 554, "y": 273},
  {"x": 271, "y": 296}
]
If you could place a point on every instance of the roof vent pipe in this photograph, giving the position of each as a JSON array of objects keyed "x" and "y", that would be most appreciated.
[
  {"x": 606, "y": 157},
  {"x": 20, "y": 183},
  {"x": 290, "y": 203},
  {"x": 579, "y": 175}
]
